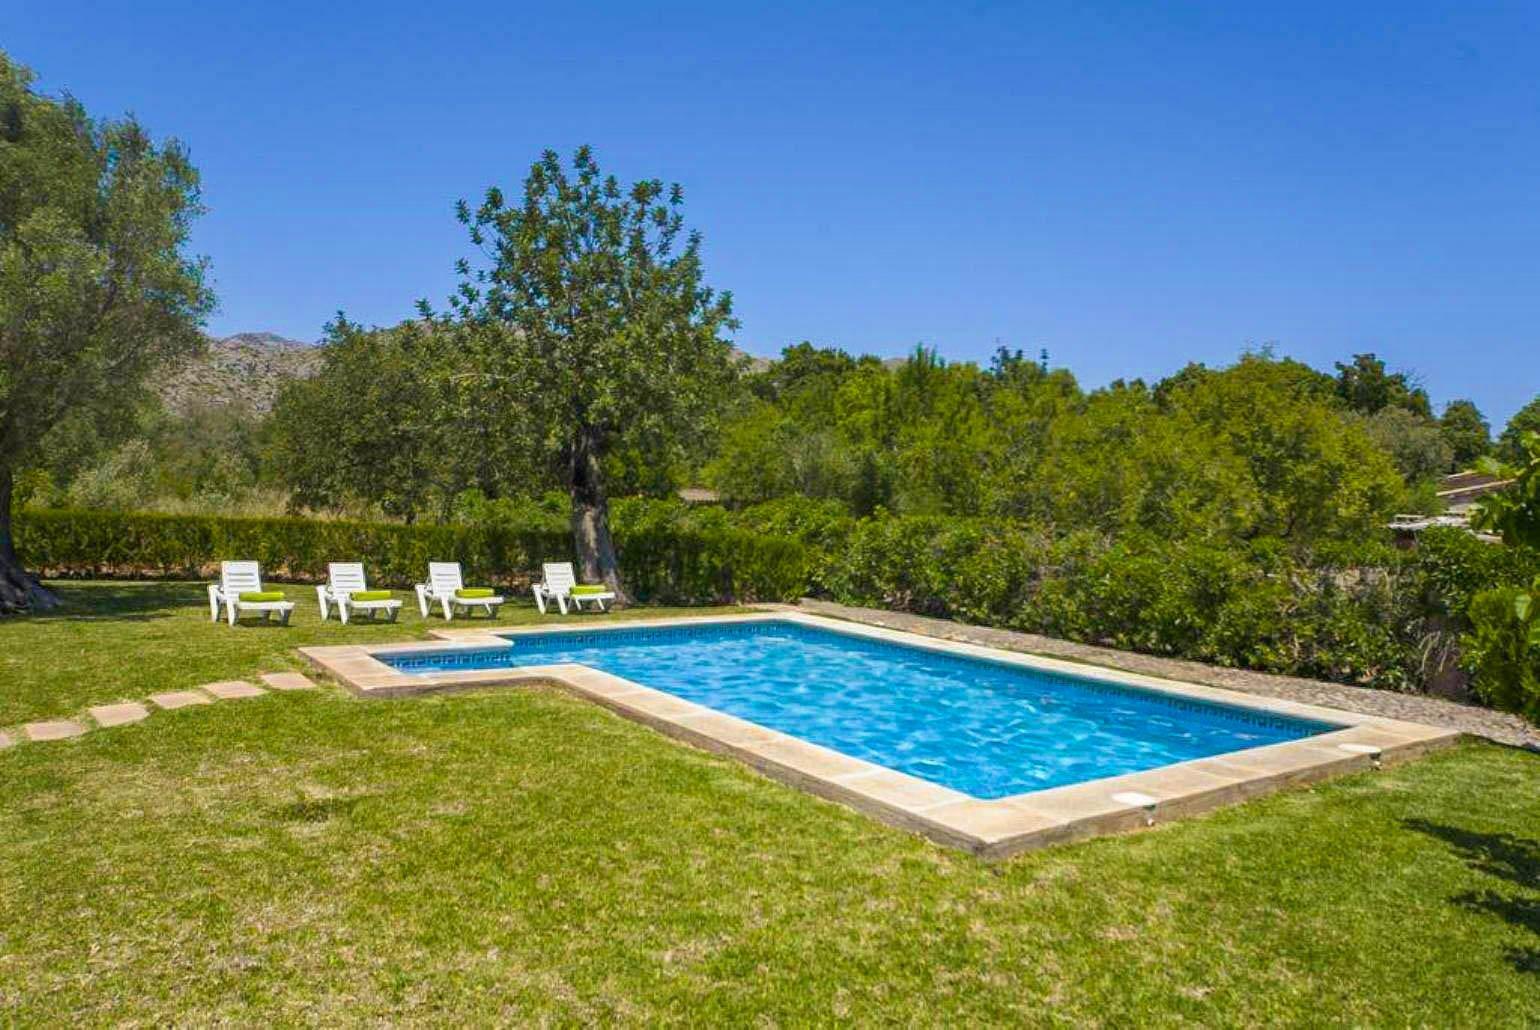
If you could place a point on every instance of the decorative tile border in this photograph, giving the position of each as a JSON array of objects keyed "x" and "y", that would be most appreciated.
[{"x": 992, "y": 828}]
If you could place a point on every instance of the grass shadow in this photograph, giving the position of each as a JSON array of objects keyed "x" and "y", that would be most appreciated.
[
  {"x": 1507, "y": 857},
  {"x": 126, "y": 602}
]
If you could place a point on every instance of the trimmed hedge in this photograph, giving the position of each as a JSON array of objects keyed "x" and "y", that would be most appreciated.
[
  {"x": 668, "y": 553},
  {"x": 1375, "y": 616},
  {"x": 1253, "y": 607},
  {"x": 671, "y": 564}
]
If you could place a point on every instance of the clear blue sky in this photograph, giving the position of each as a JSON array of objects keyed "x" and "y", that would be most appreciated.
[{"x": 1130, "y": 186}]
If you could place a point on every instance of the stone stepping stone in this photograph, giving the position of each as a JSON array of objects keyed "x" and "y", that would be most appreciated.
[
  {"x": 59, "y": 729},
  {"x": 118, "y": 715},
  {"x": 230, "y": 690},
  {"x": 180, "y": 699},
  {"x": 6, "y": 741},
  {"x": 287, "y": 681}
]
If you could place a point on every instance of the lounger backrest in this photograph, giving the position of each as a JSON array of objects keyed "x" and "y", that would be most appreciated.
[
  {"x": 445, "y": 576},
  {"x": 559, "y": 577},
  {"x": 239, "y": 577},
  {"x": 346, "y": 576}
]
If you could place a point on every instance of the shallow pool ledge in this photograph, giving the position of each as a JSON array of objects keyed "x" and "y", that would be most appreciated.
[{"x": 990, "y": 828}]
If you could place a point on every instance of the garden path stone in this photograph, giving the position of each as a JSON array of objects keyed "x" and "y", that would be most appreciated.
[
  {"x": 230, "y": 690},
  {"x": 5, "y": 741},
  {"x": 1430, "y": 711},
  {"x": 118, "y": 715},
  {"x": 180, "y": 699},
  {"x": 287, "y": 681},
  {"x": 58, "y": 729}
]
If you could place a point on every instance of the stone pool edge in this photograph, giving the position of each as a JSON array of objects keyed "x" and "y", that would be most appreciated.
[{"x": 992, "y": 829}]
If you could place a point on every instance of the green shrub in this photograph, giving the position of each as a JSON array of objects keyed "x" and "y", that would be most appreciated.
[
  {"x": 1354, "y": 616},
  {"x": 663, "y": 562},
  {"x": 1262, "y": 607},
  {"x": 905, "y": 563},
  {"x": 111, "y": 544},
  {"x": 823, "y": 527},
  {"x": 1503, "y": 648},
  {"x": 1458, "y": 566}
]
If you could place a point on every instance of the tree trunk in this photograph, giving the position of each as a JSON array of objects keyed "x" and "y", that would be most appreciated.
[
  {"x": 19, "y": 591},
  {"x": 591, "y": 521}
]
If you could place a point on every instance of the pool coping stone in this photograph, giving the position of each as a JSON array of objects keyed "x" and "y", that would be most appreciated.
[{"x": 992, "y": 829}]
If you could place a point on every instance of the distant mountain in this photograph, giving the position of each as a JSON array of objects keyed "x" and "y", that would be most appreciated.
[
  {"x": 245, "y": 369},
  {"x": 755, "y": 363}
]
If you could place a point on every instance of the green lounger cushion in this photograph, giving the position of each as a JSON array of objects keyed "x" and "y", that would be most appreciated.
[
  {"x": 258, "y": 596},
  {"x": 475, "y": 594},
  {"x": 589, "y": 589},
  {"x": 369, "y": 595}
]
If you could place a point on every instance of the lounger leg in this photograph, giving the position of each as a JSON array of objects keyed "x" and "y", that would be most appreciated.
[
  {"x": 342, "y": 611},
  {"x": 283, "y": 618},
  {"x": 540, "y": 600},
  {"x": 448, "y": 611},
  {"x": 422, "y": 600},
  {"x": 230, "y": 610},
  {"x": 213, "y": 605}
]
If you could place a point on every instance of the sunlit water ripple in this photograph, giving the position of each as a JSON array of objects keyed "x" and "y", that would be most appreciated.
[{"x": 989, "y": 730}]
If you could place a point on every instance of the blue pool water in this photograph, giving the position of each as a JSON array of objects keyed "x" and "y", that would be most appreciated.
[{"x": 984, "y": 728}]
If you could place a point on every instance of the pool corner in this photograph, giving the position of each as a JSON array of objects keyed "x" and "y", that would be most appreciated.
[{"x": 991, "y": 828}]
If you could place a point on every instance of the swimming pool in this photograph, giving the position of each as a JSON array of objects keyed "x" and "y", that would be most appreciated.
[{"x": 984, "y": 728}]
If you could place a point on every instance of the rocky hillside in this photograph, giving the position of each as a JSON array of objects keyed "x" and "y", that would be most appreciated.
[{"x": 245, "y": 369}]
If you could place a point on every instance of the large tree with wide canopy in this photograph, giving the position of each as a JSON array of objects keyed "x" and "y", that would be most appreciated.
[{"x": 96, "y": 287}]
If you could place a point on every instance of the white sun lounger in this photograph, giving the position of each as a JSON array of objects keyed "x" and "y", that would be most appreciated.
[
  {"x": 558, "y": 586},
  {"x": 345, "y": 578},
  {"x": 243, "y": 577},
  {"x": 443, "y": 588}
]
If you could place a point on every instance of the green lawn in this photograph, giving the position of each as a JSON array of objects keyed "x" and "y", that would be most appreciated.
[{"x": 520, "y": 855}]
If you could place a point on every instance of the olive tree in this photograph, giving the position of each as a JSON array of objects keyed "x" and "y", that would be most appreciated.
[
  {"x": 96, "y": 290},
  {"x": 589, "y": 325}
]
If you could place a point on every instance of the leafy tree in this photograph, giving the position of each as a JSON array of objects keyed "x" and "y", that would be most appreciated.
[
  {"x": 1014, "y": 368},
  {"x": 784, "y": 440},
  {"x": 123, "y": 481},
  {"x": 802, "y": 367},
  {"x": 1260, "y": 449},
  {"x": 1190, "y": 376},
  {"x": 945, "y": 436},
  {"x": 1466, "y": 432},
  {"x": 593, "y": 324},
  {"x": 1367, "y": 387},
  {"x": 210, "y": 455},
  {"x": 1514, "y": 511},
  {"x": 95, "y": 288},
  {"x": 1510, "y": 446},
  {"x": 1316, "y": 476},
  {"x": 1417, "y": 446},
  {"x": 767, "y": 454},
  {"x": 386, "y": 423}
]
